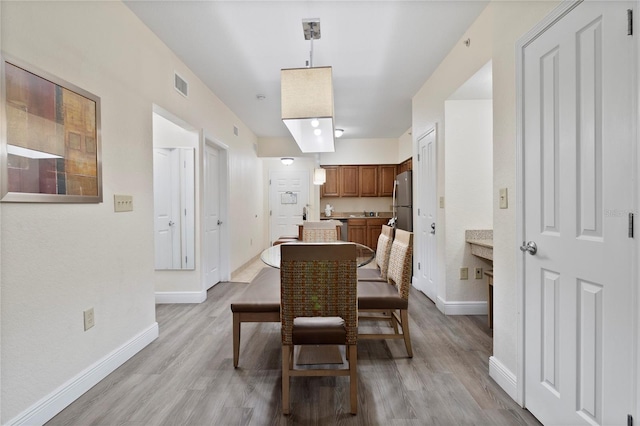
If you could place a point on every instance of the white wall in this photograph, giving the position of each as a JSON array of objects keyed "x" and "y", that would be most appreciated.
[
  {"x": 493, "y": 36},
  {"x": 468, "y": 188},
  {"x": 59, "y": 259},
  {"x": 405, "y": 146},
  {"x": 362, "y": 151}
]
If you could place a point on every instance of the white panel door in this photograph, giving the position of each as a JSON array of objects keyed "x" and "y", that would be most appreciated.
[
  {"x": 288, "y": 194},
  {"x": 166, "y": 209},
  {"x": 427, "y": 209},
  {"x": 212, "y": 221},
  {"x": 578, "y": 171}
]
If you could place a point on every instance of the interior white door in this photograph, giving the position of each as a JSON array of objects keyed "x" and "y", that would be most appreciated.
[
  {"x": 288, "y": 194},
  {"x": 578, "y": 191},
  {"x": 212, "y": 220},
  {"x": 425, "y": 279},
  {"x": 166, "y": 209}
]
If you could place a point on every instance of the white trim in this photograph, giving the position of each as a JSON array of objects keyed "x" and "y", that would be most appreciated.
[
  {"x": 504, "y": 378},
  {"x": 45, "y": 409},
  {"x": 462, "y": 307},
  {"x": 166, "y": 297},
  {"x": 561, "y": 10},
  {"x": 636, "y": 180}
]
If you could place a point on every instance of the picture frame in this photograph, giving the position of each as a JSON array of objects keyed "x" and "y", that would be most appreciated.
[{"x": 50, "y": 151}]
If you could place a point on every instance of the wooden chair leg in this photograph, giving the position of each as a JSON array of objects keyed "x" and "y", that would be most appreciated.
[
  {"x": 404, "y": 317},
  {"x": 236, "y": 339},
  {"x": 353, "y": 378},
  {"x": 394, "y": 322},
  {"x": 286, "y": 365}
]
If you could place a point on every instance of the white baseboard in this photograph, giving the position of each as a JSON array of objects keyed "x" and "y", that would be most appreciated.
[
  {"x": 461, "y": 307},
  {"x": 504, "y": 378},
  {"x": 180, "y": 297},
  {"x": 45, "y": 409}
]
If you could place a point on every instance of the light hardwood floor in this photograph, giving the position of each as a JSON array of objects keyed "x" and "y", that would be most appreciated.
[{"x": 186, "y": 376}]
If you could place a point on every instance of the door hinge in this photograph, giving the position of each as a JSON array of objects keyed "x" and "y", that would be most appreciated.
[
  {"x": 418, "y": 212},
  {"x": 629, "y": 21},
  {"x": 629, "y": 420},
  {"x": 270, "y": 212},
  {"x": 418, "y": 266},
  {"x": 630, "y": 234},
  {"x": 269, "y": 181},
  {"x": 418, "y": 157}
]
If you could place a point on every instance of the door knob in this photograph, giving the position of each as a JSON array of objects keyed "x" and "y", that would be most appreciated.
[
  {"x": 171, "y": 223},
  {"x": 433, "y": 228},
  {"x": 219, "y": 222},
  {"x": 530, "y": 247}
]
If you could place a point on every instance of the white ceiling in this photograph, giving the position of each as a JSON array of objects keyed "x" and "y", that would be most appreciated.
[{"x": 381, "y": 52}]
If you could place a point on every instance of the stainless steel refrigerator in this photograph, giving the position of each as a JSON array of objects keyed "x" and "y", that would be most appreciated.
[{"x": 403, "y": 202}]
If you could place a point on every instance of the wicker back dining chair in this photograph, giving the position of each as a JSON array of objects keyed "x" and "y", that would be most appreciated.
[
  {"x": 383, "y": 251},
  {"x": 390, "y": 301},
  {"x": 318, "y": 307},
  {"x": 324, "y": 231}
]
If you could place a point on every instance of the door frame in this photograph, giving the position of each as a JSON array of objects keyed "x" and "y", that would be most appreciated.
[
  {"x": 554, "y": 16},
  {"x": 225, "y": 249}
]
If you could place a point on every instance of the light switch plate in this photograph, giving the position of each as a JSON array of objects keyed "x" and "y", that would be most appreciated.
[
  {"x": 504, "y": 199},
  {"x": 464, "y": 273},
  {"x": 123, "y": 203}
]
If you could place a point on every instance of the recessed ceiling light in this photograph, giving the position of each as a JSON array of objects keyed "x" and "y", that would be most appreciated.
[{"x": 338, "y": 132}]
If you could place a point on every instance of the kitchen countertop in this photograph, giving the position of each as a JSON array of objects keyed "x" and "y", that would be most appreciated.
[{"x": 356, "y": 215}]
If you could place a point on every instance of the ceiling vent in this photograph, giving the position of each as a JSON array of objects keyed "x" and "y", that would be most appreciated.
[{"x": 181, "y": 85}]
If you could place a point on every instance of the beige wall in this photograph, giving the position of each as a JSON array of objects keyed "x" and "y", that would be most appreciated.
[
  {"x": 468, "y": 188},
  {"x": 493, "y": 37},
  {"x": 60, "y": 259}
]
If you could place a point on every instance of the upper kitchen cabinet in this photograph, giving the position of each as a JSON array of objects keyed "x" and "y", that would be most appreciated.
[
  {"x": 405, "y": 165},
  {"x": 386, "y": 177},
  {"x": 349, "y": 181},
  {"x": 372, "y": 180},
  {"x": 331, "y": 186},
  {"x": 368, "y": 181}
]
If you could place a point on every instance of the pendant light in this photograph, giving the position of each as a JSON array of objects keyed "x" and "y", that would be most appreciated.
[{"x": 307, "y": 100}]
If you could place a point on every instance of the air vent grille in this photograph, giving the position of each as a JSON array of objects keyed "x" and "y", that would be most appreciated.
[{"x": 181, "y": 85}]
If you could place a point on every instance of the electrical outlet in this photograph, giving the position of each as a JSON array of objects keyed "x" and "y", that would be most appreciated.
[
  {"x": 464, "y": 273},
  {"x": 478, "y": 273},
  {"x": 89, "y": 319},
  {"x": 123, "y": 203}
]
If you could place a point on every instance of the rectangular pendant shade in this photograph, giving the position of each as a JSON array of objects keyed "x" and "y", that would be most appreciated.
[
  {"x": 307, "y": 107},
  {"x": 319, "y": 176}
]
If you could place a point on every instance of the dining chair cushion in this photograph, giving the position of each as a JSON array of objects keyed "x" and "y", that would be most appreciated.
[
  {"x": 370, "y": 274},
  {"x": 379, "y": 295},
  {"x": 319, "y": 331}
]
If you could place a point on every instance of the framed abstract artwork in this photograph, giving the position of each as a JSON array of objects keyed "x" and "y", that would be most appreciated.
[{"x": 50, "y": 151}]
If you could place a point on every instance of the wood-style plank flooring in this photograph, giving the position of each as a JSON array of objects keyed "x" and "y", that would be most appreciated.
[{"x": 186, "y": 376}]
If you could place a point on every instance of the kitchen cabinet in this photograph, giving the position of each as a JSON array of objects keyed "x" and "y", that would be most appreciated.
[
  {"x": 357, "y": 231},
  {"x": 405, "y": 165},
  {"x": 374, "y": 229},
  {"x": 368, "y": 176},
  {"x": 386, "y": 176},
  {"x": 331, "y": 186},
  {"x": 349, "y": 186},
  {"x": 371, "y": 180}
]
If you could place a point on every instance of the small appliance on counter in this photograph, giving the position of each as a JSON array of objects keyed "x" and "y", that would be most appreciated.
[{"x": 327, "y": 210}]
